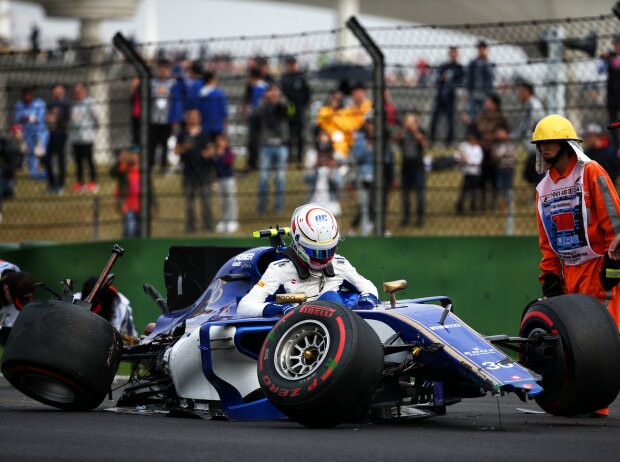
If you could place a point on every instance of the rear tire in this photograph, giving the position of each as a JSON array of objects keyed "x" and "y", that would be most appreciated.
[
  {"x": 321, "y": 364},
  {"x": 62, "y": 355},
  {"x": 587, "y": 377}
]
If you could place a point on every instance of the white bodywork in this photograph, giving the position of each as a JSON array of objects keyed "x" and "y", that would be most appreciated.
[{"x": 185, "y": 365}]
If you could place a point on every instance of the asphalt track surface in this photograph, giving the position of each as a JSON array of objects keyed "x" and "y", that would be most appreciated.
[{"x": 470, "y": 431}]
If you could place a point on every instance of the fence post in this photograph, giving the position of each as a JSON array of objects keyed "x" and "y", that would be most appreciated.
[
  {"x": 143, "y": 71},
  {"x": 378, "y": 62}
]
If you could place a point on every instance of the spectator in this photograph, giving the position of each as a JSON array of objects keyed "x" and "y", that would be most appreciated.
[
  {"x": 470, "y": 156},
  {"x": 533, "y": 111},
  {"x": 226, "y": 185},
  {"x": 296, "y": 89},
  {"x": 329, "y": 120},
  {"x": 504, "y": 153},
  {"x": 322, "y": 175},
  {"x": 13, "y": 149},
  {"x": 600, "y": 150},
  {"x": 486, "y": 124},
  {"x": 127, "y": 194},
  {"x": 355, "y": 114},
  {"x": 211, "y": 101},
  {"x": 111, "y": 305},
  {"x": 255, "y": 90},
  {"x": 412, "y": 141},
  {"x": 18, "y": 290},
  {"x": 136, "y": 110},
  {"x": 272, "y": 125},
  {"x": 30, "y": 113},
  {"x": 391, "y": 118},
  {"x": 161, "y": 128},
  {"x": 185, "y": 92},
  {"x": 612, "y": 62},
  {"x": 34, "y": 39},
  {"x": 83, "y": 126},
  {"x": 363, "y": 155},
  {"x": 196, "y": 155},
  {"x": 480, "y": 76},
  {"x": 57, "y": 121},
  {"x": 449, "y": 77}
]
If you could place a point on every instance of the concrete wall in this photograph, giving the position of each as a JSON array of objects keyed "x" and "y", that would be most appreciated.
[{"x": 490, "y": 280}]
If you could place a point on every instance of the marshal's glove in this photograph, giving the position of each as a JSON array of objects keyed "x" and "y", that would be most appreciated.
[
  {"x": 367, "y": 302},
  {"x": 551, "y": 285},
  {"x": 273, "y": 309},
  {"x": 610, "y": 273}
]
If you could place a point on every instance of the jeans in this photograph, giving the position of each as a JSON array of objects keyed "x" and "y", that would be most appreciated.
[
  {"x": 56, "y": 149},
  {"x": 227, "y": 188},
  {"x": 272, "y": 159},
  {"x": 191, "y": 187},
  {"x": 504, "y": 183},
  {"x": 474, "y": 106},
  {"x": 84, "y": 153},
  {"x": 413, "y": 178},
  {"x": 131, "y": 225},
  {"x": 470, "y": 189},
  {"x": 445, "y": 107}
]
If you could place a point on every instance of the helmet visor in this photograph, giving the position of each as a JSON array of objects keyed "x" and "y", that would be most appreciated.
[{"x": 321, "y": 255}]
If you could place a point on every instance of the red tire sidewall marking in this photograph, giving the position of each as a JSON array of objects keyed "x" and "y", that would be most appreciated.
[{"x": 54, "y": 376}]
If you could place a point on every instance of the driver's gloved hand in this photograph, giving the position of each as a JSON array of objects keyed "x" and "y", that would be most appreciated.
[
  {"x": 367, "y": 302},
  {"x": 552, "y": 285},
  {"x": 610, "y": 273},
  {"x": 274, "y": 309}
]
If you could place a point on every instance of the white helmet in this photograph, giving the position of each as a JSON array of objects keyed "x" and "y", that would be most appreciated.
[{"x": 315, "y": 235}]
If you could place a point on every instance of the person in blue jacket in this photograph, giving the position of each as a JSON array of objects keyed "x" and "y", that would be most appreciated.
[
  {"x": 212, "y": 103},
  {"x": 30, "y": 113}
]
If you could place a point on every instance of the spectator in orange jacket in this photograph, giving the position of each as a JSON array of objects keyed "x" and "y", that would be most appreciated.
[{"x": 577, "y": 211}]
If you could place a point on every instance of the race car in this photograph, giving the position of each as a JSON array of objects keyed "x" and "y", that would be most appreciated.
[{"x": 321, "y": 364}]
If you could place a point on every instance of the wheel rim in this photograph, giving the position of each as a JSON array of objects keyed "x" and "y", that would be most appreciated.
[
  {"x": 48, "y": 388},
  {"x": 301, "y": 350}
]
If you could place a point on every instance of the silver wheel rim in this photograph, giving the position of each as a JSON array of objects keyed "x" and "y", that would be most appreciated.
[{"x": 301, "y": 350}]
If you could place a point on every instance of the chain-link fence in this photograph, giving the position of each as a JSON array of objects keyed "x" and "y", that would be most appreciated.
[{"x": 296, "y": 112}]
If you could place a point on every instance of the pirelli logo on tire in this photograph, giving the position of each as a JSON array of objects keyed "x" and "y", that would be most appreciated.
[{"x": 317, "y": 310}]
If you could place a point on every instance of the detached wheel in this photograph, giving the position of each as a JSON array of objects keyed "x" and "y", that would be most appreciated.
[
  {"x": 582, "y": 375},
  {"x": 321, "y": 364},
  {"x": 62, "y": 355}
]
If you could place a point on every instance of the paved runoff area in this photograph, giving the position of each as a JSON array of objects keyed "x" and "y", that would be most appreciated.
[{"x": 471, "y": 431}]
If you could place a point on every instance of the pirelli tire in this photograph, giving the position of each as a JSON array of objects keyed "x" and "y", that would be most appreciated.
[
  {"x": 581, "y": 376},
  {"x": 62, "y": 355},
  {"x": 321, "y": 364}
]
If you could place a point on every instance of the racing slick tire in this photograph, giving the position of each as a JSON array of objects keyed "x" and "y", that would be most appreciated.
[
  {"x": 581, "y": 376},
  {"x": 62, "y": 355},
  {"x": 321, "y": 364}
]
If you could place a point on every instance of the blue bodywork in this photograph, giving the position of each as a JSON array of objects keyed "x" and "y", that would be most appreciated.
[{"x": 464, "y": 357}]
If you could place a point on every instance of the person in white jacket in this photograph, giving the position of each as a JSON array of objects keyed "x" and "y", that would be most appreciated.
[{"x": 314, "y": 268}]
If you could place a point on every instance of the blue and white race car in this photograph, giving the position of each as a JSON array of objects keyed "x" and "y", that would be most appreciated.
[{"x": 321, "y": 364}]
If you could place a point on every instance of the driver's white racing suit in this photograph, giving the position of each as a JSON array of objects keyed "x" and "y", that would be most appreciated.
[{"x": 282, "y": 273}]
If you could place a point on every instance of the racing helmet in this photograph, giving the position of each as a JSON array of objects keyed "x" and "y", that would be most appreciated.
[{"x": 315, "y": 235}]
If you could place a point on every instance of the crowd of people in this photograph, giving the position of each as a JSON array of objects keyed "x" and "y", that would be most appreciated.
[{"x": 333, "y": 141}]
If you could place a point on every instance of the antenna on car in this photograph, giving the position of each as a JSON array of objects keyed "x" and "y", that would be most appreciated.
[{"x": 274, "y": 234}]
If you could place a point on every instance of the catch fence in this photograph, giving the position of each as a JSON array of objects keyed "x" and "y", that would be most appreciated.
[{"x": 561, "y": 60}]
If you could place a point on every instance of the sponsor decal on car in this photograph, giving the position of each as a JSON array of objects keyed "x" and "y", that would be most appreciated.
[
  {"x": 318, "y": 310},
  {"x": 245, "y": 256},
  {"x": 491, "y": 366},
  {"x": 446, "y": 326},
  {"x": 479, "y": 351}
]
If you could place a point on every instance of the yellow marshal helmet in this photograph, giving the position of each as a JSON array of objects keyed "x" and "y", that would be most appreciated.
[{"x": 554, "y": 127}]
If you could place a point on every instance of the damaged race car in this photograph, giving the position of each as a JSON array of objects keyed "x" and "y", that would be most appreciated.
[{"x": 320, "y": 364}]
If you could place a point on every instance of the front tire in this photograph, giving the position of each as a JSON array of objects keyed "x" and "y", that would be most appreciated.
[
  {"x": 321, "y": 364},
  {"x": 62, "y": 355},
  {"x": 583, "y": 376}
]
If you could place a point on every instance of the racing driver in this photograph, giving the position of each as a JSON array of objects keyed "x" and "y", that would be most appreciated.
[
  {"x": 313, "y": 267},
  {"x": 577, "y": 211}
]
